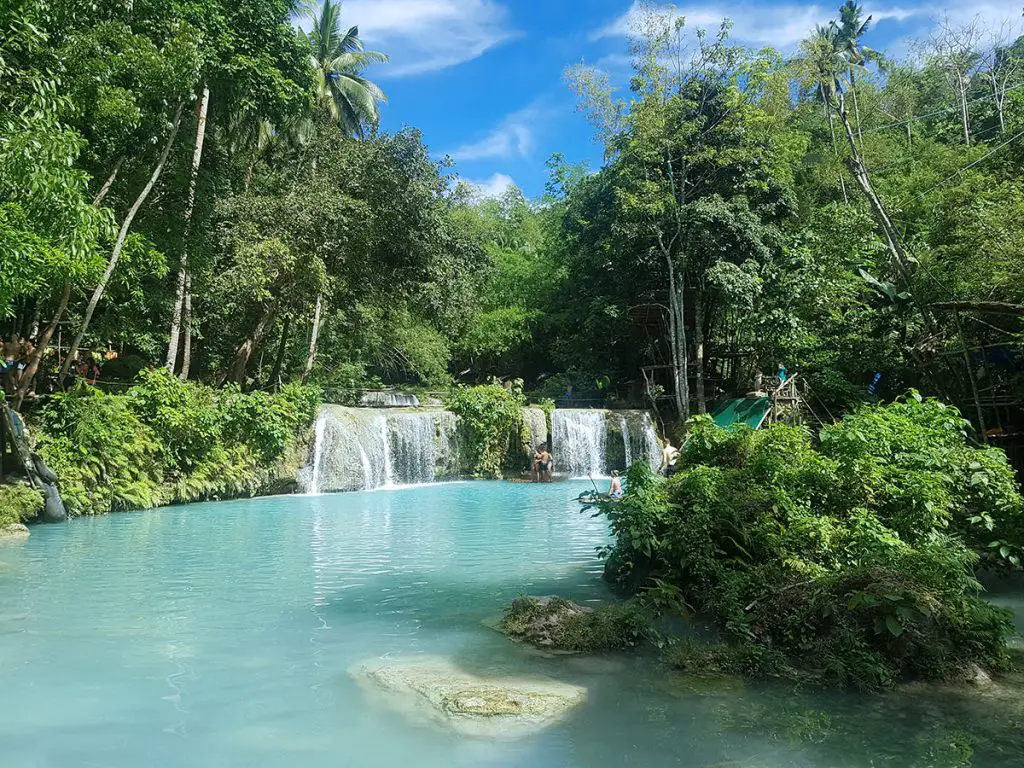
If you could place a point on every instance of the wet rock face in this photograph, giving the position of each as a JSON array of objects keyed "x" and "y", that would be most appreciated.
[{"x": 434, "y": 691}]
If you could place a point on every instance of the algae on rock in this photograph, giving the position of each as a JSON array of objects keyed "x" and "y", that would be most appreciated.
[{"x": 433, "y": 690}]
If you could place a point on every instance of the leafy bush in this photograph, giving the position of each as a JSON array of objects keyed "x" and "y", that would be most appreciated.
[
  {"x": 167, "y": 441},
  {"x": 853, "y": 560},
  {"x": 18, "y": 503},
  {"x": 492, "y": 423},
  {"x": 558, "y": 624},
  {"x": 105, "y": 457}
]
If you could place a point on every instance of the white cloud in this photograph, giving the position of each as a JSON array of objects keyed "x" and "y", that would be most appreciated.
[
  {"x": 776, "y": 25},
  {"x": 513, "y": 137},
  {"x": 785, "y": 25},
  {"x": 428, "y": 35},
  {"x": 493, "y": 188}
]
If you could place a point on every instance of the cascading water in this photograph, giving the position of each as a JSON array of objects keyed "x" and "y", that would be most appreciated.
[
  {"x": 644, "y": 441},
  {"x": 388, "y": 399},
  {"x": 592, "y": 443},
  {"x": 578, "y": 442},
  {"x": 626, "y": 442},
  {"x": 318, "y": 450},
  {"x": 362, "y": 449}
]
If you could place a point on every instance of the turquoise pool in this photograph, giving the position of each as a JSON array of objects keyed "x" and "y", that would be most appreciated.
[{"x": 223, "y": 634}]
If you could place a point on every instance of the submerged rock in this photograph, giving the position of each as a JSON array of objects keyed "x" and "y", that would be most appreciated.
[
  {"x": 13, "y": 531},
  {"x": 434, "y": 690}
]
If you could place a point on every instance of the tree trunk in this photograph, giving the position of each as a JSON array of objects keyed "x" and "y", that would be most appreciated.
[
  {"x": 677, "y": 342},
  {"x": 190, "y": 205},
  {"x": 835, "y": 149},
  {"x": 856, "y": 108},
  {"x": 314, "y": 337},
  {"x": 282, "y": 349},
  {"x": 186, "y": 331},
  {"x": 964, "y": 114},
  {"x": 889, "y": 232},
  {"x": 998, "y": 97},
  {"x": 698, "y": 339},
  {"x": 115, "y": 255},
  {"x": 248, "y": 346},
  {"x": 112, "y": 178},
  {"x": 25, "y": 383}
]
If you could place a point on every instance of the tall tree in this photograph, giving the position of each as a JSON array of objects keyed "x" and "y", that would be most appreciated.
[
  {"x": 352, "y": 101},
  {"x": 850, "y": 31},
  {"x": 821, "y": 60},
  {"x": 338, "y": 59}
]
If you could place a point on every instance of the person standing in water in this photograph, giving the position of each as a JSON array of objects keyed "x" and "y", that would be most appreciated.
[
  {"x": 615, "y": 489},
  {"x": 669, "y": 458},
  {"x": 543, "y": 464}
]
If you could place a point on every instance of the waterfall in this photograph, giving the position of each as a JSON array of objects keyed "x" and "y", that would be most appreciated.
[
  {"x": 639, "y": 439},
  {"x": 651, "y": 445},
  {"x": 626, "y": 442},
  {"x": 362, "y": 449},
  {"x": 318, "y": 450},
  {"x": 388, "y": 399},
  {"x": 537, "y": 422},
  {"x": 578, "y": 442}
]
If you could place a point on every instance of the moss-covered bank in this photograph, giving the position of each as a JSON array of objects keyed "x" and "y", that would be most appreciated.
[{"x": 165, "y": 441}]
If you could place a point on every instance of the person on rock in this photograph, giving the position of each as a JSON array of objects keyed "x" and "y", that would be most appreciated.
[{"x": 615, "y": 489}]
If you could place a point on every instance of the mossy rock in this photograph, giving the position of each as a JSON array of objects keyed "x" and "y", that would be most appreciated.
[
  {"x": 435, "y": 691},
  {"x": 13, "y": 532},
  {"x": 555, "y": 624}
]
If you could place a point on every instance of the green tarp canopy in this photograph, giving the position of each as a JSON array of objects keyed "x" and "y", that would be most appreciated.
[{"x": 748, "y": 410}]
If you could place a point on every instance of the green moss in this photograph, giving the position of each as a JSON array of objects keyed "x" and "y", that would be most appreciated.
[
  {"x": 18, "y": 503},
  {"x": 558, "y": 624},
  {"x": 491, "y": 418}
]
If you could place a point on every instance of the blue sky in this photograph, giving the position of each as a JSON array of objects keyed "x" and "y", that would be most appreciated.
[{"x": 483, "y": 79}]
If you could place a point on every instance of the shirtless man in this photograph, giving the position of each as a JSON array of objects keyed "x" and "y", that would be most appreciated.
[
  {"x": 543, "y": 465},
  {"x": 669, "y": 458}
]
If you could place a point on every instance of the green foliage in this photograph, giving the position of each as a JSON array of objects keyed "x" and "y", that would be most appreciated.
[
  {"x": 558, "y": 624},
  {"x": 492, "y": 420},
  {"x": 18, "y": 503},
  {"x": 167, "y": 441},
  {"x": 852, "y": 561}
]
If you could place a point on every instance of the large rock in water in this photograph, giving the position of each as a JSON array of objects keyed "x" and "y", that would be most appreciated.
[
  {"x": 14, "y": 531},
  {"x": 435, "y": 691}
]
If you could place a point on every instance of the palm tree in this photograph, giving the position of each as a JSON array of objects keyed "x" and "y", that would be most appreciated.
[
  {"x": 849, "y": 30},
  {"x": 820, "y": 64},
  {"x": 338, "y": 61}
]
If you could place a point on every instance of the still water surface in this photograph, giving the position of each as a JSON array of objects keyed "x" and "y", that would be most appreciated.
[{"x": 222, "y": 634}]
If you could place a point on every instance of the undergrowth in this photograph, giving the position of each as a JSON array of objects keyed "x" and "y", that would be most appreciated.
[
  {"x": 166, "y": 441},
  {"x": 851, "y": 560},
  {"x": 18, "y": 503}
]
